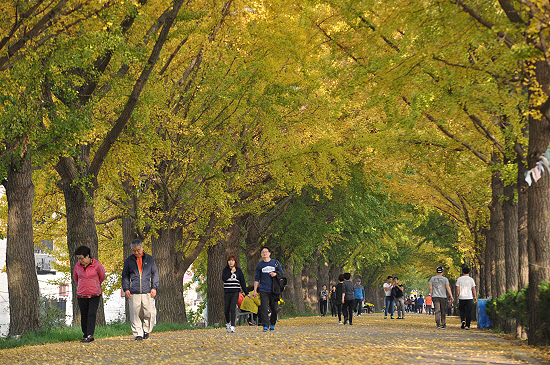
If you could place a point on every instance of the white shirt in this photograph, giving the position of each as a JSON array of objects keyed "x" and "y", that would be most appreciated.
[
  {"x": 388, "y": 292},
  {"x": 465, "y": 284}
]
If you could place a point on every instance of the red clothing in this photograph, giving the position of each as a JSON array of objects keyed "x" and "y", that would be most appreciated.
[{"x": 89, "y": 278}]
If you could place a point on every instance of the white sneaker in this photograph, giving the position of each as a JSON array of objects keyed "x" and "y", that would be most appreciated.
[
  {"x": 339, "y": 322},
  {"x": 231, "y": 329},
  {"x": 228, "y": 327}
]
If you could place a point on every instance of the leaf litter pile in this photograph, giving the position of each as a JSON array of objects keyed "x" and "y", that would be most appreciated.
[{"x": 311, "y": 340}]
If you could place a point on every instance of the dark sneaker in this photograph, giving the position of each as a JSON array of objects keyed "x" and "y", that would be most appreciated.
[
  {"x": 463, "y": 324},
  {"x": 391, "y": 317},
  {"x": 443, "y": 327},
  {"x": 138, "y": 338},
  {"x": 272, "y": 327},
  {"x": 266, "y": 329},
  {"x": 438, "y": 327},
  {"x": 145, "y": 335},
  {"x": 87, "y": 339}
]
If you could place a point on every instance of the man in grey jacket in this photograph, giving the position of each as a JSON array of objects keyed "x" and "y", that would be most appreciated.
[{"x": 140, "y": 281}]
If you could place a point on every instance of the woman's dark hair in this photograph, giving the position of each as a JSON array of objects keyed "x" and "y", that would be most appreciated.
[
  {"x": 83, "y": 250},
  {"x": 234, "y": 258},
  {"x": 347, "y": 276},
  {"x": 341, "y": 277}
]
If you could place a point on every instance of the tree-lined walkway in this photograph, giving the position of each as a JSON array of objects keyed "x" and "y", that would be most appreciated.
[{"x": 370, "y": 340}]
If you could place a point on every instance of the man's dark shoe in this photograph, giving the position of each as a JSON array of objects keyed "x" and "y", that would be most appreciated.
[
  {"x": 138, "y": 338},
  {"x": 145, "y": 335},
  {"x": 463, "y": 324},
  {"x": 89, "y": 338}
]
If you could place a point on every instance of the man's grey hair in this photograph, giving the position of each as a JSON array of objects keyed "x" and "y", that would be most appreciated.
[{"x": 136, "y": 243}]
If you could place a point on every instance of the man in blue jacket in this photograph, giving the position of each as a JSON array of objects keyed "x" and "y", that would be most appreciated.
[
  {"x": 140, "y": 281},
  {"x": 266, "y": 270},
  {"x": 359, "y": 293}
]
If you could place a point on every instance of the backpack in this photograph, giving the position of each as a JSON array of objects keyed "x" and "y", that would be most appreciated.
[{"x": 278, "y": 282}]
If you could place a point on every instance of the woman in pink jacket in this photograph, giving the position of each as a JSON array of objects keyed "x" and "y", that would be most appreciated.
[{"x": 88, "y": 275}]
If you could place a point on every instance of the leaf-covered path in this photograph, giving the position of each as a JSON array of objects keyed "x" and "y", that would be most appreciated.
[{"x": 371, "y": 340}]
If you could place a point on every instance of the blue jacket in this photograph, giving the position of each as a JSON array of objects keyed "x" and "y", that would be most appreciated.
[{"x": 149, "y": 276}]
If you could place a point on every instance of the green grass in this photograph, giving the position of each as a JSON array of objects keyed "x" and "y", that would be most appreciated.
[{"x": 64, "y": 334}]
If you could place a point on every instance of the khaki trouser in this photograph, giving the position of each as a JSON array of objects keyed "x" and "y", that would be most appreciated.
[{"x": 142, "y": 313}]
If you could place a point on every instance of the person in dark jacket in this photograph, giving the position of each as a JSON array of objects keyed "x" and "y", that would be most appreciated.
[
  {"x": 233, "y": 281},
  {"x": 140, "y": 281},
  {"x": 266, "y": 271}
]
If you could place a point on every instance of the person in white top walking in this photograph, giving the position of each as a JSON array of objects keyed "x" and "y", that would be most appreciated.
[{"x": 466, "y": 293}]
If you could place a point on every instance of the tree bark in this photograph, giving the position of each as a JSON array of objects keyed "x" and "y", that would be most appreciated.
[
  {"x": 523, "y": 255},
  {"x": 252, "y": 244},
  {"x": 81, "y": 228},
  {"x": 511, "y": 248},
  {"x": 497, "y": 233},
  {"x": 169, "y": 299},
  {"x": 489, "y": 264},
  {"x": 298, "y": 297},
  {"x": 538, "y": 213},
  {"x": 24, "y": 297}
]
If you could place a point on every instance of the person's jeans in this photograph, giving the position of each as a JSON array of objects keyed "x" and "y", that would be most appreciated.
[
  {"x": 389, "y": 305},
  {"x": 347, "y": 308},
  {"x": 230, "y": 307},
  {"x": 269, "y": 301},
  {"x": 465, "y": 306},
  {"x": 400, "y": 307},
  {"x": 358, "y": 305},
  {"x": 440, "y": 305},
  {"x": 338, "y": 307},
  {"x": 323, "y": 307},
  {"x": 88, "y": 312}
]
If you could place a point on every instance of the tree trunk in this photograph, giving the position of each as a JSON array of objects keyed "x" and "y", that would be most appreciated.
[
  {"x": 497, "y": 232},
  {"x": 510, "y": 209},
  {"x": 538, "y": 213},
  {"x": 129, "y": 233},
  {"x": 298, "y": 297},
  {"x": 252, "y": 242},
  {"x": 523, "y": 255},
  {"x": 217, "y": 256},
  {"x": 489, "y": 264},
  {"x": 169, "y": 300},
  {"x": 24, "y": 297},
  {"x": 81, "y": 229}
]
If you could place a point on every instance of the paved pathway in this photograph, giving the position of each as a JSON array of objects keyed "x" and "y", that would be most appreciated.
[{"x": 313, "y": 340}]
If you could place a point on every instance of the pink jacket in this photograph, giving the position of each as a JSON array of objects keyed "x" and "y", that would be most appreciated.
[{"x": 89, "y": 279}]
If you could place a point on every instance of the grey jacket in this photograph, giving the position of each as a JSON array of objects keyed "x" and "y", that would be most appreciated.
[{"x": 131, "y": 279}]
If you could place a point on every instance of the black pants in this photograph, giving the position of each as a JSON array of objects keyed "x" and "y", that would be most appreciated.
[
  {"x": 323, "y": 307},
  {"x": 465, "y": 306},
  {"x": 347, "y": 308},
  {"x": 88, "y": 312},
  {"x": 338, "y": 308},
  {"x": 269, "y": 301},
  {"x": 358, "y": 304},
  {"x": 230, "y": 307}
]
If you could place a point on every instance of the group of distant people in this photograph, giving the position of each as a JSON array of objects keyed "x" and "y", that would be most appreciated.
[{"x": 438, "y": 300}]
